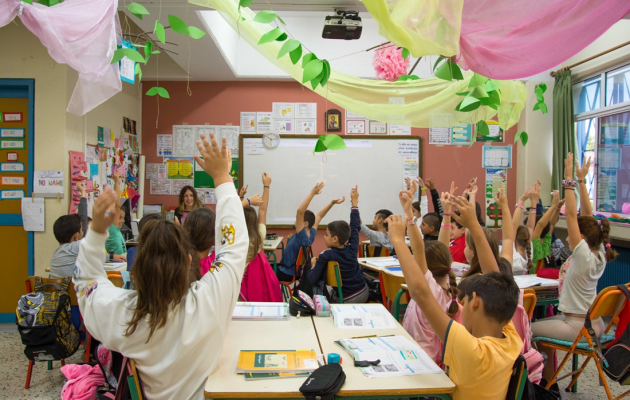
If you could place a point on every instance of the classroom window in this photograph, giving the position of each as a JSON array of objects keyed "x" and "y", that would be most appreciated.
[{"x": 602, "y": 117}]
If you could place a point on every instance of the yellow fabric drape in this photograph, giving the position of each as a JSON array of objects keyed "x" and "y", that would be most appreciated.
[
  {"x": 424, "y": 27},
  {"x": 371, "y": 98}
]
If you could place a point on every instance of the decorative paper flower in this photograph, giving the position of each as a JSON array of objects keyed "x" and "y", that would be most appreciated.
[
  {"x": 625, "y": 208},
  {"x": 389, "y": 64}
]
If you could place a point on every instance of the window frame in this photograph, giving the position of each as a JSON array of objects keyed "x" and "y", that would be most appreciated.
[{"x": 598, "y": 114}]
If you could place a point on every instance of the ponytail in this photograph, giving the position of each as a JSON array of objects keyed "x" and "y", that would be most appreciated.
[
  {"x": 453, "y": 308},
  {"x": 611, "y": 254},
  {"x": 528, "y": 251}
]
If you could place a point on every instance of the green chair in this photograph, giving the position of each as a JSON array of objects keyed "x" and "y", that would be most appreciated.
[{"x": 333, "y": 278}]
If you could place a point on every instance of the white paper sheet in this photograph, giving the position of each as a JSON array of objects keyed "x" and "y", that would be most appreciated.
[
  {"x": 184, "y": 140},
  {"x": 305, "y": 110},
  {"x": 248, "y": 122},
  {"x": 283, "y": 110},
  {"x": 260, "y": 311},
  {"x": 306, "y": 126},
  {"x": 178, "y": 184},
  {"x": 48, "y": 182},
  {"x": 156, "y": 171},
  {"x": 164, "y": 145},
  {"x": 33, "y": 214},
  {"x": 263, "y": 122},
  {"x": 161, "y": 186},
  {"x": 399, "y": 130},
  {"x": 281, "y": 125},
  {"x": 363, "y": 317},
  {"x": 253, "y": 146}
]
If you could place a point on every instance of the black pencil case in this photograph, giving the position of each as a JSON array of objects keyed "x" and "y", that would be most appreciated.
[{"x": 324, "y": 383}]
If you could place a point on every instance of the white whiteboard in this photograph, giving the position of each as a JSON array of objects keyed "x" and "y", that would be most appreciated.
[{"x": 376, "y": 165}]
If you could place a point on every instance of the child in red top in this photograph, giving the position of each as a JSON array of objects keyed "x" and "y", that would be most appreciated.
[{"x": 458, "y": 242}]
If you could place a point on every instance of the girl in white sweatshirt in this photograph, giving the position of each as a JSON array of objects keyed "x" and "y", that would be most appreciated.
[{"x": 173, "y": 330}]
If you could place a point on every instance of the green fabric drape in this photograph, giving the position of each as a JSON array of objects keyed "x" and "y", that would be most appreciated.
[{"x": 563, "y": 126}]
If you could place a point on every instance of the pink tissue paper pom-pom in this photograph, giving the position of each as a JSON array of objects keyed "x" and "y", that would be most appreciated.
[
  {"x": 562, "y": 210},
  {"x": 625, "y": 208},
  {"x": 389, "y": 64}
]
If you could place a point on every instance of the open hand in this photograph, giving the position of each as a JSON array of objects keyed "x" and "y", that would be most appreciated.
[
  {"x": 396, "y": 228},
  {"x": 216, "y": 160},
  {"x": 256, "y": 200},
  {"x": 446, "y": 203},
  {"x": 81, "y": 188},
  {"x": 354, "y": 196},
  {"x": 105, "y": 211},
  {"x": 421, "y": 182},
  {"x": 581, "y": 173},
  {"x": 339, "y": 201},
  {"x": 555, "y": 198},
  {"x": 243, "y": 191},
  {"x": 467, "y": 212},
  {"x": 525, "y": 196},
  {"x": 317, "y": 189},
  {"x": 568, "y": 167},
  {"x": 406, "y": 201},
  {"x": 501, "y": 198},
  {"x": 119, "y": 258},
  {"x": 430, "y": 184}
]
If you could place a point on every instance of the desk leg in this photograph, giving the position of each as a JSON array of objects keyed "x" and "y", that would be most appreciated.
[
  {"x": 397, "y": 304},
  {"x": 282, "y": 249},
  {"x": 269, "y": 255}
]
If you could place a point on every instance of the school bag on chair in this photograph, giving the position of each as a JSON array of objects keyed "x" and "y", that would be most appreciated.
[
  {"x": 618, "y": 354},
  {"x": 44, "y": 321}
]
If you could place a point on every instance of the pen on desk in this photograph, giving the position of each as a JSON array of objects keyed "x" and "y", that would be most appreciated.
[{"x": 363, "y": 337}]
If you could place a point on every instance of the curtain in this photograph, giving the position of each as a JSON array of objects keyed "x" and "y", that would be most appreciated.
[
  {"x": 563, "y": 126},
  {"x": 371, "y": 98}
]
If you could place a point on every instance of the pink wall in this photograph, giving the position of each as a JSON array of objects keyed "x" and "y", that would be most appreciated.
[{"x": 220, "y": 103}]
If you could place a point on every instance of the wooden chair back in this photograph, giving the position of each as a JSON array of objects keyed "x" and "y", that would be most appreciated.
[
  {"x": 391, "y": 286},
  {"x": 30, "y": 286},
  {"x": 529, "y": 302},
  {"x": 608, "y": 303},
  {"x": 374, "y": 251},
  {"x": 333, "y": 278},
  {"x": 117, "y": 280}
]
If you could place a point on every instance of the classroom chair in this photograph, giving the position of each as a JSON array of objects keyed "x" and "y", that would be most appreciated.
[
  {"x": 333, "y": 278},
  {"x": 529, "y": 302},
  {"x": 518, "y": 379},
  {"x": 51, "y": 284},
  {"x": 374, "y": 251},
  {"x": 392, "y": 293},
  {"x": 609, "y": 303},
  {"x": 304, "y": 256},
  {"x": 116, "y": 279}
]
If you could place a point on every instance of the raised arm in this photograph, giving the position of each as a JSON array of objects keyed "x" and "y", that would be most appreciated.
[
  {"x": 262, "y": 211},
  {"x": 355, "y": 221},
  {"x": 415, "y": 237},
  {"x": 585, "y": 202},
  {"x": 507, "y": 250},
  {"x": 531, "y": 220},
  {"x": 435, "y": 197},
  {"x": 468, "y": 218},
  {"x": 299, "y": 216},
  {"x": 445, "y": 232},
  {"x": 322, "y": 213},
  {"x": 424, "y": 201},
  {"x": 414, "y": 276},
  {"x": 571, "y": 205},
  {"x": 540, "y": 225},
  {"x": 82, "y": 209},
  {"x": 518, "y": 210}
]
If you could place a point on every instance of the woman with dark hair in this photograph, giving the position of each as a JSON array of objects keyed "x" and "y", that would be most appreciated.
[{"x": 188, "y": 201}]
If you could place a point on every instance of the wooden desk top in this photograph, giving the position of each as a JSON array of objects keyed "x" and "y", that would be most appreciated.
[
  {"x": 293, "y": 334},
  {"x": 359, "y": 385},
  {"x": 272, "y": 244}
]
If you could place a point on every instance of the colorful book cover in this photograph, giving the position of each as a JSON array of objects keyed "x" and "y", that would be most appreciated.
[{"x": 276, "y": 361}]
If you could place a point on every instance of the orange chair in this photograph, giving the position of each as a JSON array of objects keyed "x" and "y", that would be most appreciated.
[
  {"x": 373, "y": 251},
  {"x": 30, "y": 284},
  {"x": 609, "y": 303},
  {"x": 300, "y": 262},
  {"x": 529, "y": 302},
  {"x": 390, "y": 286}
]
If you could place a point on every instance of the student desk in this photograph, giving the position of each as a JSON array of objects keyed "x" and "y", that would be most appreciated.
[
  {"x": 292, "y": 334},
  {"x": 270, "y": 247},
  {"x": 131, "y": 243},
  {"x": 359, "y": 386},
  {"x": 407, "y": 241}
]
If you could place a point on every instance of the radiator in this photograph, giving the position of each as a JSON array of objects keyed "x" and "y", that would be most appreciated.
[{"x": 618, "y": 271}]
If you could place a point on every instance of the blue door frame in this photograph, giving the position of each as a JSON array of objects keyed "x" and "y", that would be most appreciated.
[{"x": 21, "y": 89}]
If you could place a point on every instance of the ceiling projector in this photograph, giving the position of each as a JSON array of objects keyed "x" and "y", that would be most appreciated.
[{"x": 346, "y": 25}]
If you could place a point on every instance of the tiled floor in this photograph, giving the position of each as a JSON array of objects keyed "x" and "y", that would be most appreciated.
[{"x": 47, "y": 384}]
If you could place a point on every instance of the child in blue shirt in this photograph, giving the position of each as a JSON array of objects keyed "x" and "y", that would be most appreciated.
[
  {"x": 354, "y": 288},
  {"x": 306, "y": 224}
]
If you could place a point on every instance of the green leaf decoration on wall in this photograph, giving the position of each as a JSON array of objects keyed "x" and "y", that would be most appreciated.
[
  {"x": 159, "y": 32},
  {"x": 270, "y": 36},
  {"x": 131, "y": 54},
  {"x": 148, "y": 50},
  {"x": 160, "y": 91},
  {"x": 326, "y": 73},
  {"x": 312, "y": 70},
  {"x": 405, "y": 53},
  {"x": 449, "y": 71},
  {"x": 523, "y": 136},
  {"x": 296, "y": 54},
  {"x": 288, "y": 47},
  {"x": 482, "y": 128},
  {"x": 195, "y": 32},
  {"x": 177, "y": 25},
  {"x": 137, "y": 9},
  {"x": 329, "y": 142},
  {"x": 138, "y": 72},
  {"x": 118, "y": 55},
  {"x": 308, "y": 58},
  {"x": 540, "y": 90},
  {"x": 265, "y": 17}
]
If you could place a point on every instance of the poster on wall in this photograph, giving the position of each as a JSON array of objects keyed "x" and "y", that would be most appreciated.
[
  {"x": 495, "y": 134},
  {"x": 306, "y": 126},
  {"x": 179, "y": 167},
  {"x": 178, "y": 184},
  {"x": 607, "y": 190},
  {"x": 495, "y": 177},
  {"x": 248, "y": 122},
  {"x": 164, "y": 145},
  {"x": 282, "y": 125},
  {"x": 355, "y": 127},
  {"x": 184, "y": 140},
  {"x": 99, "y": 135},
  {"x": 263, "y": 122},
  {"x": 48, "y": 182},
  {"x": 283, "y": 110},
  {"x": 156, "y": 171},
  {"x": 127, "y": 66},
  {"x": 161, "y": 186},
  {"x": 497, "y": 156},
  {"x": 403, "y": 130},
  {"x": 378, "y": 128},
  {"x": 461, "y": 135},
  {"x": 306, "y": 110},
  {"x": 78, "y": 173}
]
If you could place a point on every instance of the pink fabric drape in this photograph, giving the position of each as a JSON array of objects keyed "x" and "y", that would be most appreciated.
[
  {"x": 82, "y": 34},
  {"x": 512, "y": 39}
]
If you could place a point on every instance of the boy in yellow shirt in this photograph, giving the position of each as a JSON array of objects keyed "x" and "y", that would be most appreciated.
[{"x": 480, "y": 352}]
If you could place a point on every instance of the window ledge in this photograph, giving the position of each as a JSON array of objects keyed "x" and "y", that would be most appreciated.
[{"x": 618, "y": 230}]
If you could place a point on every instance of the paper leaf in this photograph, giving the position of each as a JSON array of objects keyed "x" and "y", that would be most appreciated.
[
  {"x": 463, "y": 93},
  {"x": 265, "y": 17},
  {"x": 28, "y": 2},
  {"x": 282, "y": 37},
  {"x": 138, "y": 72},
  {"x": 402, "y": 78},
  {"x": 137, "y": 9},
  {"x": 148, "y": 48},
  {"x": 449, "y": 71},
  {"x": 543, "y": 108},
  {"x": 245, "y": 3},
  {"x": 333, "y": 142},
  {"x": 118, "y": 55},
  {"x": 315, "y": 81},
  {"x": 536, "y": 107},
  {"x": 163, "y": 93},
  {"x": 177, "y": 25},
  {"x": 327, "y": 70},
  {"x": 478, "y": 92},
  {"x": 270, "y": 36},
  {"x": 159, "y": 32},
  {"x": 319, "y": 146},
  {"x": 414, "y": 77},
  {"x": 405, "y": 53},
  {"x": 523, "y": 136},
  {"x": 477, "y": 80},
  {"x": 155, "y": 52},
  {"x": 312, "y": 69},
  {"x": 153, "y": 91},
  {"x": 457, "y": 71},
  {"x": 288, "y": 47},
  {"x": 195, "y": 32},
  {"x": 482, "y": 128},
  {"x": 470, "y": 107},
  {"x": 440, "y": 58},
  {"x": 133, "y": 55},
  {"x": 280, "y": 19},
  {"x": 468, "y": 100},
  {"x": 307, "y": 59},
  {"x": 491, "y": 85},
  {"x": 296, "y": 54}
]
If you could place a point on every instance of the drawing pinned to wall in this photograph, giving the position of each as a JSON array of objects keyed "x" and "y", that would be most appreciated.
[
  {"x": 497, "y": 156},
  {"x": 355, "y": 127},
  {"x": 178, "y": 184},
  {"x": 282, "y": 125},
  {"x": 263, "y": 122},
  {"x": 495, "y": 177},
  {"x": 78, "y": 173},
  {"x": 461, "y": 135},
  {"x": 248, "y": 122},
  {"x": 161, "y": 186},
  {"x": 283, "y": 110},
  {"x": 48, "y": 182},
  {"x": 107, "y": 138},
  {"x": 306, "y": 126},
  {"x": 306, "y": 110},
  {"x": 378, "y": 128},
  {"x": 157, "y": 171},
  {"x": 403, "y": 130},
  {"x": 183, "y": 140},
  {"x": 164, "y": 145}
]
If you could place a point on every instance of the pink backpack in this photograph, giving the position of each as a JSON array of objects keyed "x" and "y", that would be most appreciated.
[{"x": 535, "y": 361}]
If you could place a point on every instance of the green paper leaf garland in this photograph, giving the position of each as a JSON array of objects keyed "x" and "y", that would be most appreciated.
[
  {"x": 118, "y": 55},
  {"x": 148, "y": 48},
  {"x": 27, "y": 2},
  {"x": 282, "y": 37},
  {"x": 523, "y": 136},
  {"x": 403, "y": 78},
  {"x": 288, "y": 47},
  {"x": 133, "y": 55},
  {"x": 160, "y": 91},
  {"x": 449, "y": 71},
  {"x": 195, "y": 32},
  {"x": 296, "y": 54},
  {"x": 270, "y": 36},
  {"x": 137, "y": 9},
  {"x": 152, "y": 92},
  {"x": 138, "y": 72},
  {"x": 159, "y": 32},
  {"x": 308, "y": 58},
  {"x": 326, "y": 76},
  {"x": 245, "y": 3},
  {"x": 280, "y": 19},
  {"x": 312, "y": 70},
  {"x": 265, "y": 17},
  {"x": 540, "y": 90},
  {"x": 329, "y": 142},
  {"x": 177, "y": 25},
  {"x": 405, "y": 53}
]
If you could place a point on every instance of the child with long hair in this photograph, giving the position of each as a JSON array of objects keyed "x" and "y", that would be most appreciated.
[
  {"x": 589, "y": 239},
  {"x": 188, "y": 201},
  {"x": 198, "y": 227},
  {"x": 171, "y": 328}
]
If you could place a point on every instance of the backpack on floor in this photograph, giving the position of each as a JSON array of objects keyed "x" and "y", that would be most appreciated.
[
  {"x": 618, "y": 355},
  {"x": 44, "y": 321},
  {"x": 119, "y": 380}
]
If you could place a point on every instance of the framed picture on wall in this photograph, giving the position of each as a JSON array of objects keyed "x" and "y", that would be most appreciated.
[{"x": 333, "y": 120}]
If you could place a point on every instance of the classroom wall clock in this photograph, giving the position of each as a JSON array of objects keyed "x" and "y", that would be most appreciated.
[{"x": 271, "y": 140}]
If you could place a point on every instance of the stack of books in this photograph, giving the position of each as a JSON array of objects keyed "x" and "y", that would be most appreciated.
[{"x": 276, "y": 364}]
